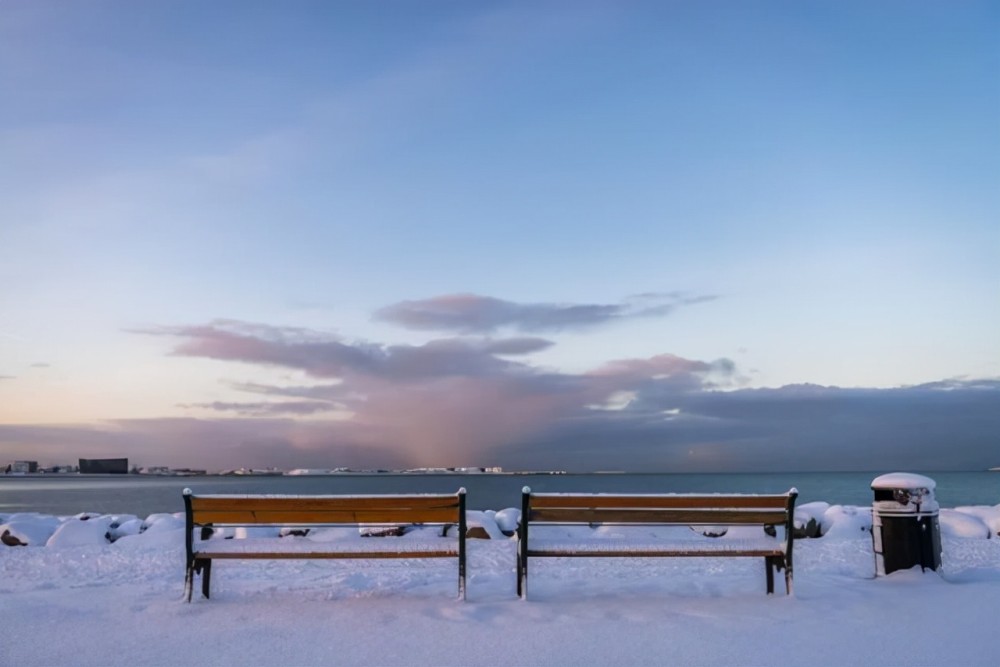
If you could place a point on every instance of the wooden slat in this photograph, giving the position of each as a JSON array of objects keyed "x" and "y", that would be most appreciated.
[
  {"x": 300, "y": 517},
  {"x": 254, "y": 555},
  {"x": 662, "y": 501},
  {"x": 648, "y": 553},
  {"x": 654, "y": 516},
  {"x": 323, "y": 504}
]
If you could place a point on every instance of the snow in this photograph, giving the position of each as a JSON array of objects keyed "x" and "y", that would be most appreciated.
[
  {"x": 959, "y": 524},
  {"x": 82, "y": 600},
  {"x": 903, "y": 480},
  {"x": 507, "y": 519},
  {"x": 846, "y": 521}
]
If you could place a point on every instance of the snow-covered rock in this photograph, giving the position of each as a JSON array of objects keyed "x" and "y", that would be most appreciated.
[
  {"x": 482, "y": 525},
  {"x": 809, "y": 519},
  {"x": 122, "y": 528},
  {"x": 163, "y": 522},
  {"x": 28, "y": 529},
  {"x": 846, "y": 521},
  {"x": 960, "y": 524},
  {"x": 989, "y": 514},
  {"x": 78, "y": 532},
  {"x": 507, "y": 520}
]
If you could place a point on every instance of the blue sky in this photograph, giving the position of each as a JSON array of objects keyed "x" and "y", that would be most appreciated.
[{"x": 202, "y": 204}]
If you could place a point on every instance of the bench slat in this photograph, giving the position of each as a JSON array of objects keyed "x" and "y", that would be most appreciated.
[
  {"x": 654, "y": 553},
  {"x": 245, "y": 517},
  {"x": 208, "y": 555},
  {"x": 657, "y": 516},
  {"x": 324, "y": 504},
  {"x": 662, "y": 501}
]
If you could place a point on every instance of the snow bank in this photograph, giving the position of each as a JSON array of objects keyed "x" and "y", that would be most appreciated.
[
  {"x": 28, "y": 529},
  {"x": 989, "y": 514},
  {"x": 63, "y": 603},
  {"x": 81, "y": 531},
  {"x": 960, "y": 524},
  {"x": 840, "y": 521}
]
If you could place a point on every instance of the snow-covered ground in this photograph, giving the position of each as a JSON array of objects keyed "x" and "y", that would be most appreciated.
[{"x": 73, "y": 598}]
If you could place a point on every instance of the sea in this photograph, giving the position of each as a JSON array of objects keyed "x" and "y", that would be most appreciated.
[{"x": 143, "y": 495}]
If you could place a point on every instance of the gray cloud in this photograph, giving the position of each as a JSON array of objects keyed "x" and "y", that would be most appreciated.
[
  {"x": 938, "y": 426},
  {"x": 472, "y": 313},
  {"x": 326, "y": 356},
  {"x": 463, "y": 401},
  {"x": 266, "y": 409},
  {"x": 455, "y": 402},
  {"x": 40, "y": 365}
]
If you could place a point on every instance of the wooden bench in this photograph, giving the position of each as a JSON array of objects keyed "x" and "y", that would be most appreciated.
[
  {"x": 560, "y": 509},
  {"x": 216, "y": 511}
]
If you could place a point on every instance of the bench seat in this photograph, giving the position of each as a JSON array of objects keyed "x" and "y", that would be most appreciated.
[
  {"x": 706, "y": 546},
  {"x": 303, "y": 547}
]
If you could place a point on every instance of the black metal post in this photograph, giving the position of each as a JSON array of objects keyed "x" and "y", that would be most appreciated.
[
  {"x": 189, "y": 547},
  {"x": 790, "y": 539},
  {"x": 522, "y": 544},
  {"x": 461, "y": 543}
]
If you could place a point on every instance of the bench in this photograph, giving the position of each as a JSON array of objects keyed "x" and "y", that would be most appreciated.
[
  {"x": 208, "y": 512},
  {"x": 562, "y": 509}
]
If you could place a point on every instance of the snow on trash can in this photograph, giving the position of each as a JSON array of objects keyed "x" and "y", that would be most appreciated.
[{"x": 905, "y": 529}]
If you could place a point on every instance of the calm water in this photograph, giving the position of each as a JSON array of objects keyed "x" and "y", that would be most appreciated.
[{"x": 130, "y": 494}]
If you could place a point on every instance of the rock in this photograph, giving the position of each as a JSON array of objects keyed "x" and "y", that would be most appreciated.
[
  {"x": 11, "y": 541},
  {"x": 381, "y": 531},
  {"x": 119, "y": 529},
  {"x": 711, "y": 531},
  {"x": 809, "y": 529},
  {"x": 294, "y": 532}
]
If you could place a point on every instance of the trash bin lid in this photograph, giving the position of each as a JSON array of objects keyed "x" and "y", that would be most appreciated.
[{"x": 903, "y": 480}]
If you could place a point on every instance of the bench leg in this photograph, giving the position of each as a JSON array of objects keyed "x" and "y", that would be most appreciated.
[
  {"x": 206, "y": 578},
  {"x": 461, "y": 578},
  {"x": 522, "y": 577},
  {"x": 788, "y": 579},
  {"x": 769, "y": 568},
  {"x": 519, "y": 575},
  {"x": 188, "y": 581}
]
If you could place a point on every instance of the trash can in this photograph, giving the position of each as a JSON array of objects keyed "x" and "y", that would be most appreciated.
[{"x": 905, "y": 529}]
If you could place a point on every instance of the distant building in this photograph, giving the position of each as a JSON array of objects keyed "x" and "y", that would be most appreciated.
[
  {"x": 103, "y": 466},
  {"x": 23, "y": 466}
]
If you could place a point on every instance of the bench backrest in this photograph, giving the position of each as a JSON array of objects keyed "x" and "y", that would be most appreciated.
[
  {"x": 671, "y": 509},
  {"x": 234, "y": 510}
]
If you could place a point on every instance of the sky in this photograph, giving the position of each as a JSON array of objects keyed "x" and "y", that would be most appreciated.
[{"x": 671, "y": 236}]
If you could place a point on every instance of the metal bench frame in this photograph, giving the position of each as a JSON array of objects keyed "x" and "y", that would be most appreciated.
[{"x": 215, "y": 511}]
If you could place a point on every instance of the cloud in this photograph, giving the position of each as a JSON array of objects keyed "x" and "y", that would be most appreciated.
[
  {"x": 477, "y": 401},
  {"x": 458, "y": 401},
  {"x": 327, "y": 356},
  {"x": 443, "y": 402},
  {"x": 544, "y": 424},
  {"x": 266, "y": 409},
  {"x": 472, "y": 313},
  {"x": 8, "y": 377}
]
